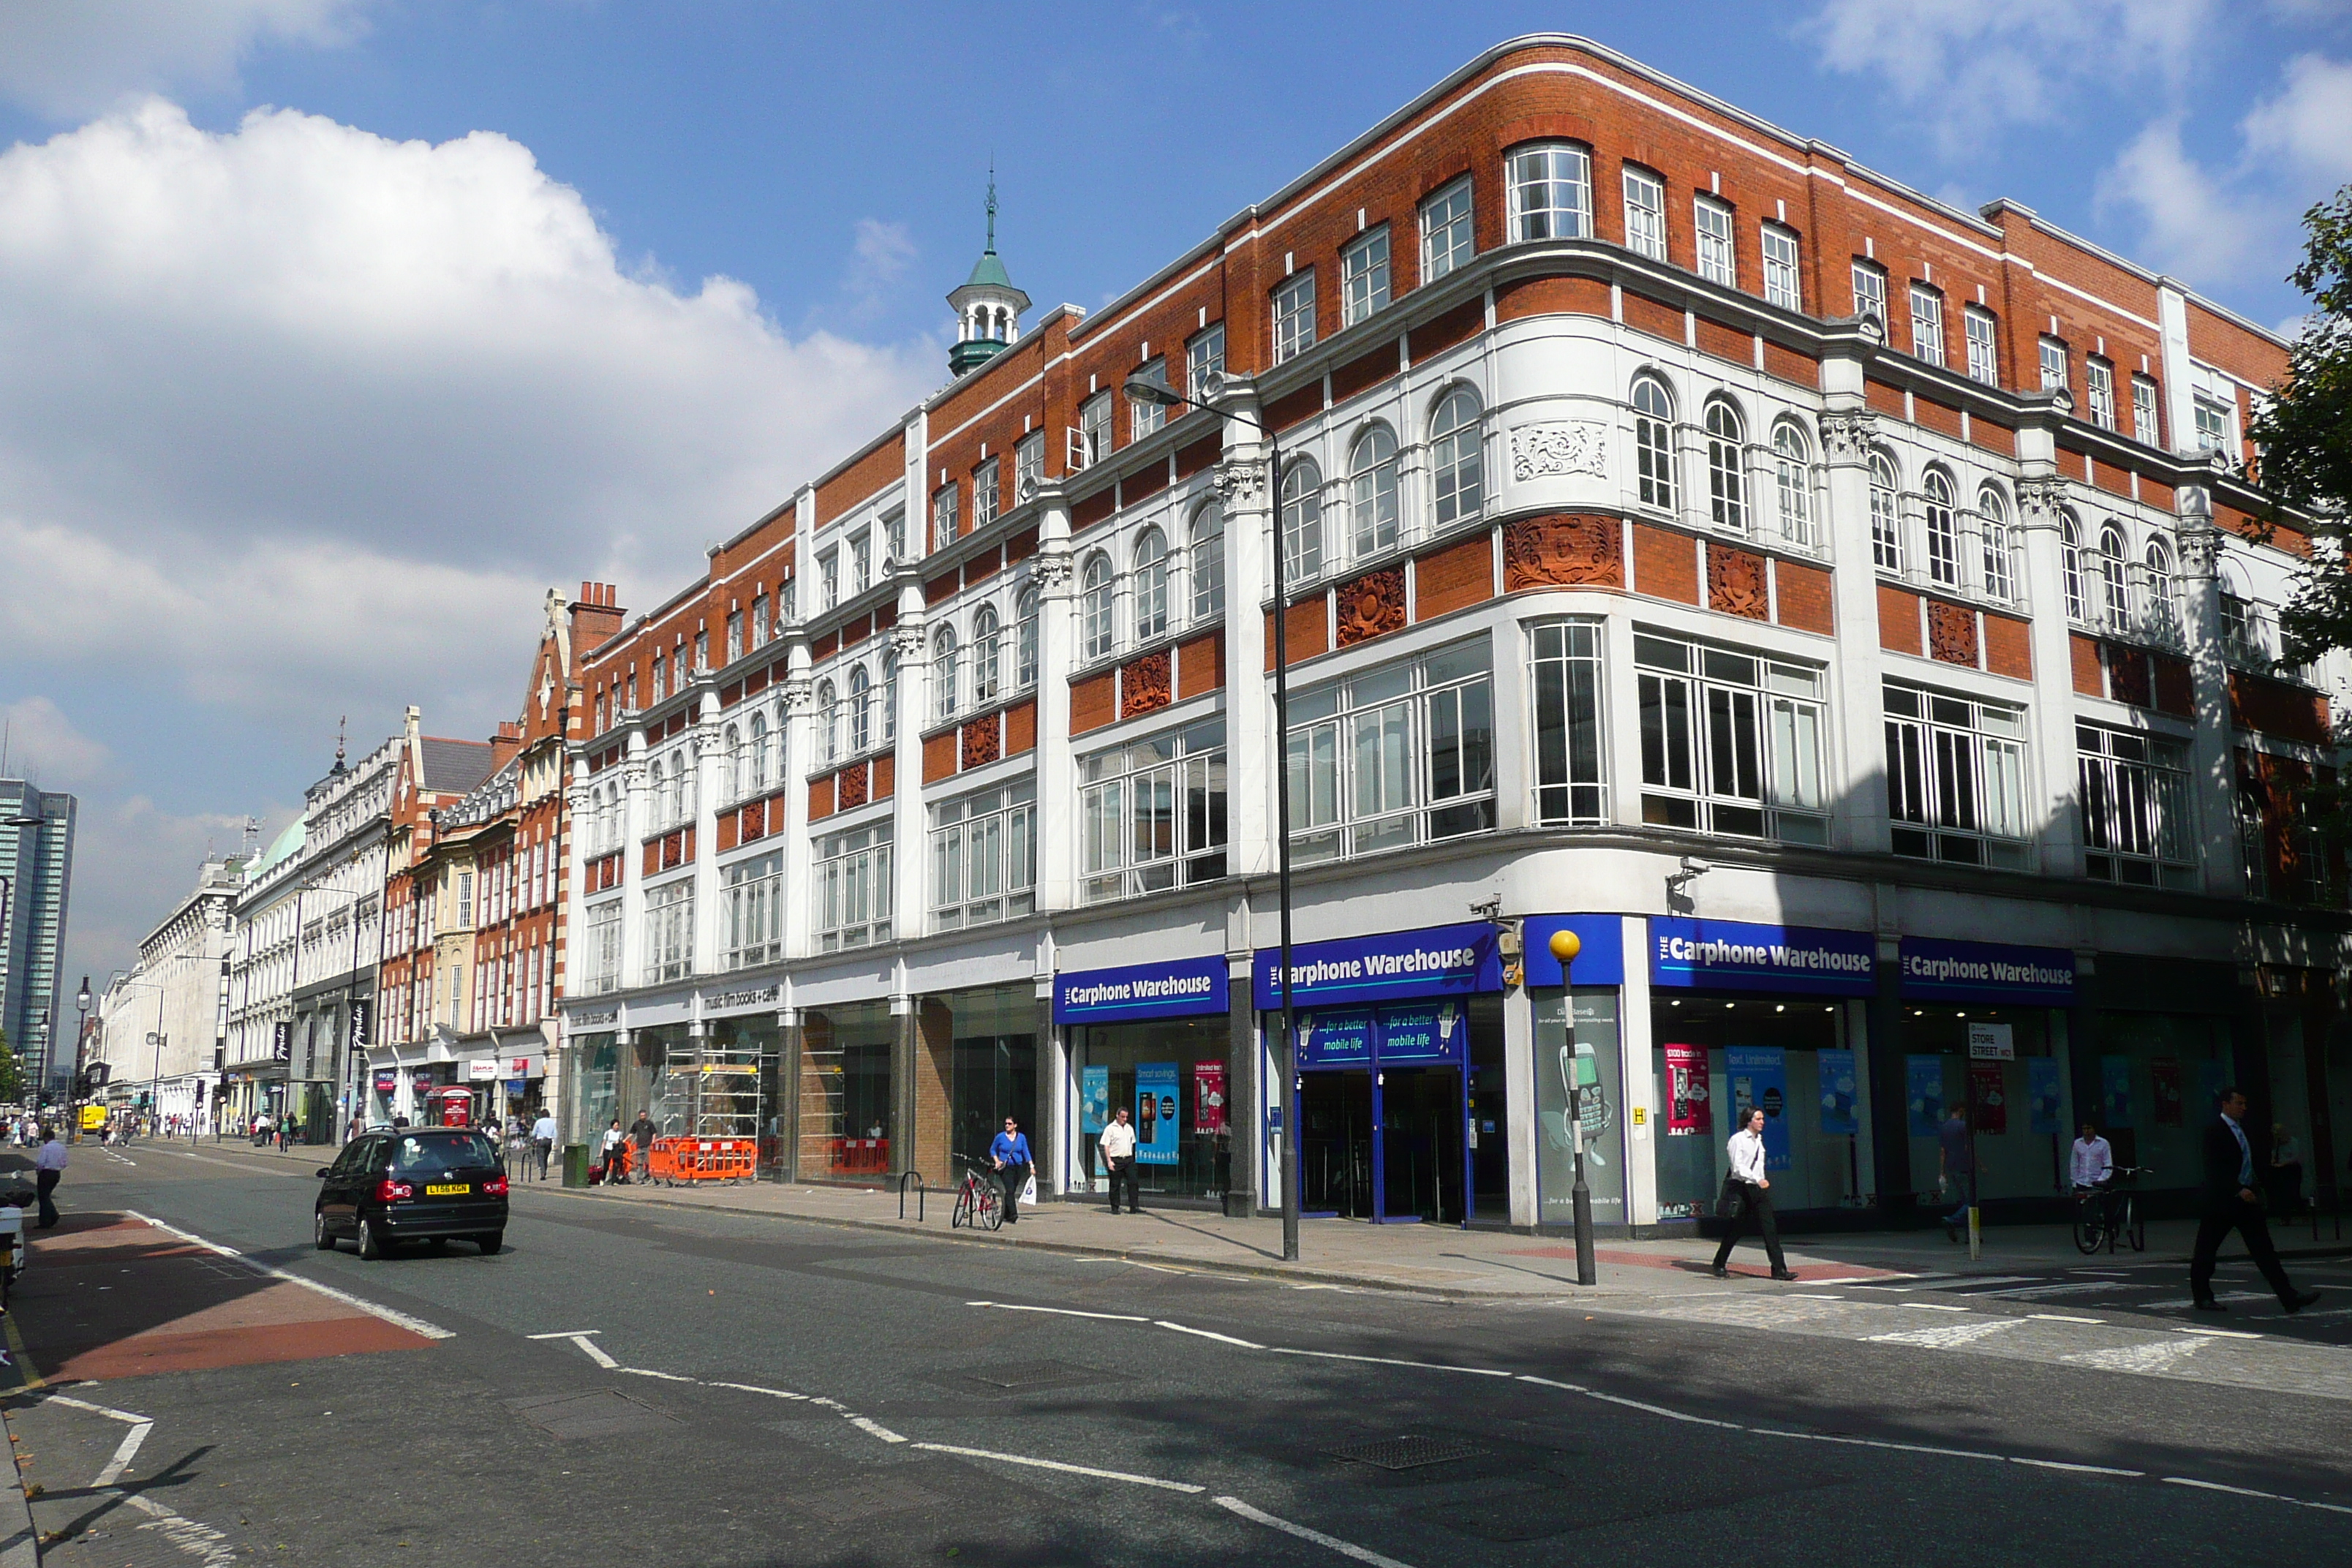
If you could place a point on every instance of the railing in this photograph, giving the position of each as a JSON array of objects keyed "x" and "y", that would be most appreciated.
[{"x": 922, "y": 1191}]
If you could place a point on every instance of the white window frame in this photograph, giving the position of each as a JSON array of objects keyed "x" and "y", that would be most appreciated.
[
  {"x": 1886, "y": 515},
  {"x": 752, "y": 914},
  {"x": 1645, "y": 213},
  {"x": 1956, "y": 772},
  {"x": 1364, "y": 276},
  {"x": 1549, "y": 187},
  {"x": 2148, "y": 427},
  {"x": 1982, "y": 329},
  {"x": 1783, "y": 275},
  {"x": 2138, "y": 807},
  {"x": 984, "y": 857},
  {"x": 1727, "y": 458},
  {"x": 1152, "y": 814},
  {"x": 1294, "y": 315},
  {"x": 669, "y": 930},
  {"x": 1568, "y": 777},
  {"x": 1653, "y": 443},
  {"x": 1143, "y": 417},
  {"x": 2050, "y": 355},
  {"x": 1449, "y": 236},
  {"x": 2099, "y": 387},
  {"x": 849, "y": 885},
  {"x": 987, "y": 494},
  {"x": 1204, "y": 360},
  {"x": 1727, "y": 750},
  {"x": 1393, "y": 757},
  {"x": 1926, "y": 324},
  {"x": 945, "y": 518},
  {"x": 1870, "y": 294},
  {"x": 1717, "y": 227}
]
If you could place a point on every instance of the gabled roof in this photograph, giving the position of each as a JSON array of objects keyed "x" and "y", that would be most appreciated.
[{"x": 451, "y": 767}]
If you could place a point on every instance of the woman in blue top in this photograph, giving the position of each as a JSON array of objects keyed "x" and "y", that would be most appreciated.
[{"x": 1009, "y": 1152}]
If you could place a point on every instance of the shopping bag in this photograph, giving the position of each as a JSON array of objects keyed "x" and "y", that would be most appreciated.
[{"x": 1029, "y": 1192}]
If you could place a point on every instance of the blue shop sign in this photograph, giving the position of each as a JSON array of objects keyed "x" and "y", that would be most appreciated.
[
  {"x": 1399, "y": 1033},
  {"x": 1730, "y": 955},
  {"x": 1439, "y": 961},
  {"x": 1600, "y": 962},
  {"x": 1171, "y": 989},
  {"x": 1936, "y": 970}
]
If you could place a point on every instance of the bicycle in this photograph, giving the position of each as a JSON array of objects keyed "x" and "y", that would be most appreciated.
[
  {"x": 2104, "y": 1215},
  {"x": 980, "y": 1201}
]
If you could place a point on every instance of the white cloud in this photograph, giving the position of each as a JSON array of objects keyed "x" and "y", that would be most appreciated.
[
  {"x": 1967, "y": 64},
  {"x": 43, "y": 745},
  {"x": 71, "y": 57},
  {"x": 275, "y": 386},
  {"x": 2192, "y": 223},
  {"x": 133, "y": 862},
  {"x": 2308, "y": 123}
]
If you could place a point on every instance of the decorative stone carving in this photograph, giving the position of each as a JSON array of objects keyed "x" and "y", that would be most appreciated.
[
  {"x": 1566, "y": 446},
  {"x": 1145, "y": 685},
  {"x": 907, "y": 642},
  {"x": 2042, "y": 497},
  {"x": 1563, "y": 549},
  {"x": 1736, "y": 584},
  {"x": 1238, "y": 478},
  {"x": 1052, "y": 570},
  {"x": 2200, "y": 545},
  {"x": 797, "y": 690},
  {"x": 982, "y": 742},
  {"x": 1951, "y": 633},
  {"x": 1372, "y": 605},
  {"x": 849, "y": 787},
  {"x": 1848, "y": 434}
]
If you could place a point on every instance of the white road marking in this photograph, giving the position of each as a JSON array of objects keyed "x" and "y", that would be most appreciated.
[
  {"x": 398, "y": 1320},
  {"x": 127, "y": 1450},
  {"x": 564, "y": 1335},
  {"x": 2215, "y": 1333},
  {"x": 1375, "y": 1360},
  {"x": 865, "y": 1424},
  {"x": 593, "y": 1353},
  {"x": 1979, "y": 1281},
  {"x": 1660, "y": 1410},
  {"x": 648, "y": 1372},
  {"x": 1951, "y": 1336},
  {"x": 2155, "y": 1356},
  {"x": 2060, "y": 1318},
  {"x": 1184, "y": 1487},
  {"x": 1063, "y": 1311},
  {"x": 755, "y": 1388},
  {"x": 1203, "y": 1333},
  {"x": 1934, "y": 1307},
  {"x": 2078, "y": 1469},
  {"x": 1344, "y": 1548},
  {"x": 200, "y": 1540},
  {"x": 1860, "y": 1279},
  {"x": 1875, "y": 1443}
]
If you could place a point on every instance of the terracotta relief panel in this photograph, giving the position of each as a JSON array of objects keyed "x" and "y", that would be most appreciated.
[
  {"x": 1144, "y": 686},
  {"x": 1372, "y": 605},
  {"x": 1564, "y": 551},
  {"x": 983, "y": 741},
  {"x": 1952, "y": 634},
  {"x": 850, "y": 786},
  {"x": 1735, "y": 584}
]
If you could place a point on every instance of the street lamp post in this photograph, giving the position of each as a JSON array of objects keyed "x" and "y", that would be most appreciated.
[
  {"x": 82, "y": 1043},
  {"x": 1142, "y": 389}
]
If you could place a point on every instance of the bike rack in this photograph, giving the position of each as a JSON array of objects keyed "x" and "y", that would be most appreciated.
[{"x": 922, "y": 1190}]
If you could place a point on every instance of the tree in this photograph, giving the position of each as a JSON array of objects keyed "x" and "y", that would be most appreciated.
[
  {"x": 12, "y": 1074},
  {"x": 2304, "y": 433}
]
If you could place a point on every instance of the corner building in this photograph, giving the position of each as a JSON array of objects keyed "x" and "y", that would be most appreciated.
[{"x": 1842, "y": 611}]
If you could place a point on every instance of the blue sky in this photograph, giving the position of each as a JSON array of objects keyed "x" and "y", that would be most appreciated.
[{"x": 338, "y": 330}]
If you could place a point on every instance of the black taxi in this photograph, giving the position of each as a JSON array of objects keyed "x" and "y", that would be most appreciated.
[{"x": 413, "y": 1183}]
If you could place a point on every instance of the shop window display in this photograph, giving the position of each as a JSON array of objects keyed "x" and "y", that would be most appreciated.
[
  {"x": 2159, "y": 1074},
  {"x": 1719, "y": 1055},
  {"x": 2021, "y": 1109},
  {"x": 845, "y": 1108},
  {"x": 1181, "y": 1139},
  {"x": 1592, "y": 1009},
  {"x": 995, "y": 1051}
]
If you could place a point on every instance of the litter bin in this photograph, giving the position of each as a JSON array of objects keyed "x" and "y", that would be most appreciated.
[{"x": 575, "y": 1165}]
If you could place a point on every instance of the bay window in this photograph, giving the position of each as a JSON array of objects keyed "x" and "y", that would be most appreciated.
[
  {"x": 1571, "y": 786},
  {"x": 1152, "y": 814},
  {"x": 984, "y": 857},
  {"x": 851, "y": 884},
  {"x": 1731, "y": 743},
  {"x": 1400, "y": 755},
  {"x": 751, "y": 911},
  {"x": 2139, "y": 825},
  {"x": 669, "y": 930},
  {"x": 1956, "y": 778}
]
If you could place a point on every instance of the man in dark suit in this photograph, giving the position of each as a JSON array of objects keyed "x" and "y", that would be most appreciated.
[{"x": 2232, "y": 1202}]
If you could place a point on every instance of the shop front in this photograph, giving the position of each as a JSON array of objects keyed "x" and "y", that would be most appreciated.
[
  {"x": 1155, "y": 1038},
  {"x": 1987, "y": 1077},
  {"x": 1744, "y": 1017},
  {"x": 2164, "y": 1051},
  {"x": 992, "y": 1039},
  {"x": 1576, "y": 1010},
  {"x": 846, "y": 1050},
  {"x": 1400, "y": 1057},
  {"x": 739, "y": 1085}
]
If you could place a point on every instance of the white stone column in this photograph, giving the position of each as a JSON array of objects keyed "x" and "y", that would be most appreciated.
[
  {"x": 1057, "y": 772},
  {"x": 910, "y": 847},
  {"x": 711, "y": 784},
  {"x": 2212, "y": 764},
  {"x": 2040, "y": 498},
  {"x": 1521, "y": 1144},
  {"x": 799, "y": 755},
  {"x": 1858, "y": 767},
  {"x": 1252, "y": 749},
  {"x": 636, "y": 816}
]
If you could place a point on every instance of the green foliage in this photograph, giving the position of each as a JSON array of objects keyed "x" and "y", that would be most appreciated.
[
  {"x": 2305, "y": 432},
  {"x": 12, "y": 1074}
]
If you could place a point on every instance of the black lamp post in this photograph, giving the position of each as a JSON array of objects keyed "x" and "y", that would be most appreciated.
[
  {"x": 81, "y": 1042},
  {"x": 1144, "y": 390}
]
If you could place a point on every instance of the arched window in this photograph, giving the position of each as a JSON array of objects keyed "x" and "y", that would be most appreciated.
[
  {"x": 657, "y": 793},
  {"x": 1792, "y": 477},
  {"x": 987, "y": 657},
  {"x": 2163, "y": 618},
  {"x": 890, "y": 696},
  {"x": 829, "y": 722},
  {"x": 738, "y": 764},
  {"x": 861, "y": 712},
  {"x": 2070, "y": 561},
  {"x": 2114, "y": 577},
  {"x": 1150, "y": 585},
  {"x": 759, "y": 780},
  {"x": 1885, "y": 521},
  {"x": 1207, "y": 560},
  {"x": 2000, "y": 570},
  {"x": 684, "y": 774},
  {"x": 943, "y": 675},
  {"x": 1456, "y": 447},
  {"x": 1943, "y": 529},
  {"x": 1727, "y": 496},
  {"x": 1302, "y": 520},
  {"x": 1024, "y": 637},
  {"x": 1095, "y": 624},
  {"x": 1372, "y": 491},
  {"x": 1654, "y": 442}
]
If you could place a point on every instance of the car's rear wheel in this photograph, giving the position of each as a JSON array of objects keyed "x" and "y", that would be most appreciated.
[
  {"x": 323, "y": 1236},
  {"x": 371, "y": 1243},
  {"x": 490, "y": 1241}
]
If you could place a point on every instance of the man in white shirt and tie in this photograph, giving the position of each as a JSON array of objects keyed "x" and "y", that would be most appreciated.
[
  {"x": 1117, "y": 1142},
  {"x": 1748, "y": 1183},
  {"x": 2232, "y": 1203}
]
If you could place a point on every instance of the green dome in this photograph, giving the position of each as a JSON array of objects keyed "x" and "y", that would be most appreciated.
[
  {"x": 285, "y": 846},
  {"x": 988, "y": 271}
]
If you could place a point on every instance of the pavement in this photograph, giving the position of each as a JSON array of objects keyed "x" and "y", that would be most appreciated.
[{"x": 664, "y": 1373}]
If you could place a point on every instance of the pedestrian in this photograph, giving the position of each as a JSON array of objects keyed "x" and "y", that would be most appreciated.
[
  {"x": 1117, "y": 1146},
  {"x": 1751, "y": 1189},
  {"x": 50, "y": 1165},
  {"x": 2093, "y": 1164},
  {"x": 2284, "y": 1178},
  {"x": 641, "y": 1134},
  {"x": 1009, "y": 1152},
  {"x": 1956, "y": 1169},
  {"x": 287, "y": 1129},
  {"x": 542, "y": 1141},
  {"x": 2232, "y": 1204},
  {"x": 613, "y": 1155}
]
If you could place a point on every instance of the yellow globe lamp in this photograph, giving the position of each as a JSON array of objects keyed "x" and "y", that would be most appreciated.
[{"x": 1565, "y": 946}]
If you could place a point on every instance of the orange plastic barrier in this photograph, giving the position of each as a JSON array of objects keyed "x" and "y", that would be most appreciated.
[{"x": 690, "y": 1159}]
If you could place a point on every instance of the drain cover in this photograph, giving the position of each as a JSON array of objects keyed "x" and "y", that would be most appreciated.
[
  {"x": 605, "y": 1412},
  {"x": 1033, "y": 1374},
  {"x": 1410, "y": 1453}
]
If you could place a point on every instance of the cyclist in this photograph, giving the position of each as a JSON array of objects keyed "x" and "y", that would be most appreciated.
[{"x": 2095, "y": 1171}]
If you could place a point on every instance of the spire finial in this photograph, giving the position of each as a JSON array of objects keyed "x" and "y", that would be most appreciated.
[
  {"x": 341, "y": 725},
  {"x": 991, "y": 201}
]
